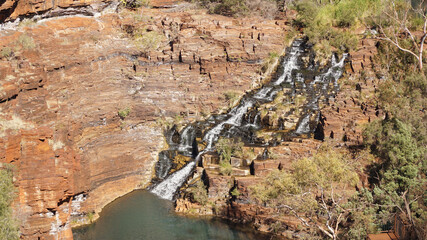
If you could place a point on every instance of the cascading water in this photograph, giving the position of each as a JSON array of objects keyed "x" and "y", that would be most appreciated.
[{"x": 293, "y": 74}]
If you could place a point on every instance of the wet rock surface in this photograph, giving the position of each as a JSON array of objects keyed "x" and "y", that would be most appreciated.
[{"x": 341, "y": 121}]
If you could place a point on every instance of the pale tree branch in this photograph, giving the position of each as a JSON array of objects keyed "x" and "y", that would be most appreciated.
[
  {"x": 400, "y": 19},
  {"x": 398, "y": 46}
]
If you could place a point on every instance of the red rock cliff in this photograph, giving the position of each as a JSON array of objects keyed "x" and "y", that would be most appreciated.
[
  {"x": 11, "y": 9},
  {"x": 63, "y": 81}
]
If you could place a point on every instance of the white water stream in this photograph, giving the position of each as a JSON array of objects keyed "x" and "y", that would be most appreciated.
[{"x": 170, "y": 185}]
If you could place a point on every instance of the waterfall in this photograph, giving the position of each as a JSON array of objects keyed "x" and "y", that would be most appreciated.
[
  {"x": 187, "y": 137},
  {"x": 170, "y": 185},
  {"x": 230, "y": 123}
]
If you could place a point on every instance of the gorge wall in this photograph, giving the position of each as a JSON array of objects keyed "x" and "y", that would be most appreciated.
[
  {"x": 63, "y": 81},
  {"x": 12, "y": 9}
]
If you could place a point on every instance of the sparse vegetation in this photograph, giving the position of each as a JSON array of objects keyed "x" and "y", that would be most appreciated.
[
  {"x": 225, "y": 168},
  {"x": 6, "y": 52},
  {"x": 27, "y": 23},
  {"x": 236, "y": 8},
  {"x": 235, "y": 192},
  {"x": 135, "y": 3},
  {"x": 148, "y": 41},
  {"x": 123, "y": 113},
  {"x": 198, "y": 193},
  {"x": 314, "y": 191},
  {"x": 26, "y": 42},
  {"x": 232, "y": 97},
  {"x": 90, "y": 216},
  {"x": 268, "y": 63},
  {"x": 168, "y": 122},
  {"x": 8, "y": 226},
  {"x": 228, "y": 147},
  {"x": 329, "y": 25}
]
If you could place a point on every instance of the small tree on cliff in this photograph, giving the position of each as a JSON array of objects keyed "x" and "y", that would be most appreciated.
[
  {"x": 404, "y": 26},
  {"x": 315, "y": 191}
]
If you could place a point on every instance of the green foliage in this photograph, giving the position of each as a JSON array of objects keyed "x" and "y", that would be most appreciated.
[
  {"x": 276, "y": 227},
  {"x": 249, "y": 154},
  {"x": 265, "y": 8},
  {"x": 135, "y": 3},
  {"x": 148, "y": 41},
  {"x": 199, "y": 193},
  {"x": 6, "y": 52},
  {"x": 400, "y": 142},
  {"x": 164, "y": 123},
  {"x": 392, "y": 140},
  {"x": 90, "y": 216},
  {"x": 235, "y": 192},
  {"x": 168, "y": 122},
  {"x": 225, "y": 168},
  {"x": 228, "y": 147},
  {"x": 328, "y": 174},
  {"x": 269, "y": 61},
  {"x": 123, "y": 113},
  {"x": 402, "y": 181},
  {"x": 232, "y": 97},
  {"x": 362, "y": 216},
  {"x": 26, "y": 42},
  {"x": 326, "y": 24},
  {"x": 405, "y": 98},
  {"x": 8, "y": 226},
  {"x": 399, "y": 24},
  {"x": 231, "y": 7}
]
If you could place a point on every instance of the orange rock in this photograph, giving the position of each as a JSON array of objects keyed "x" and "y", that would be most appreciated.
[{"x": 60, "y": 99}]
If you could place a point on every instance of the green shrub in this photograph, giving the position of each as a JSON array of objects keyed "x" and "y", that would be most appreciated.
[
  {"x": 6, "y": 52},
  {"x": 26, "y": 42},
  {"x": 90, "y": 216},
  {"x": 235, "y": 8},
  {"x": 148, "y": 41},
  {"x": 231, "y": 7},
  {"x": 272, "y": 57},
  {"x": 225, "y": 168},
  {"x": 123, "y": 113},
  {"x": 235, "y": 192},
  {"x": 199, "y": 193},
  {"x": 227, "y": 147},
  {"x": 8, "y": 226},
  {"x": 315, "y": 188},
  {"x": 328, "y": 25},
  {"x": 135, "y": 3},
  {"x": 232, "y": 97}
]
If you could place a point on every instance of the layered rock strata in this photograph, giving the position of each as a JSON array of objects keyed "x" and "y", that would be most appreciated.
[
  {"x": 81, "y": 100},
  {"x": 343, "y": 117}
]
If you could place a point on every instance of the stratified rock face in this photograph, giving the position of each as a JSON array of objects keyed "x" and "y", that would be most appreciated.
[
  {"x": 345, "y": 115},
  {"x": 342, "y": 119},
  {"x": 12, "y": 9},
  {"x": 64, "y": 81}
]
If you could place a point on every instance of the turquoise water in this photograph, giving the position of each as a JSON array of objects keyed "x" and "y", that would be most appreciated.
[{"x": 142, "y": 216}]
